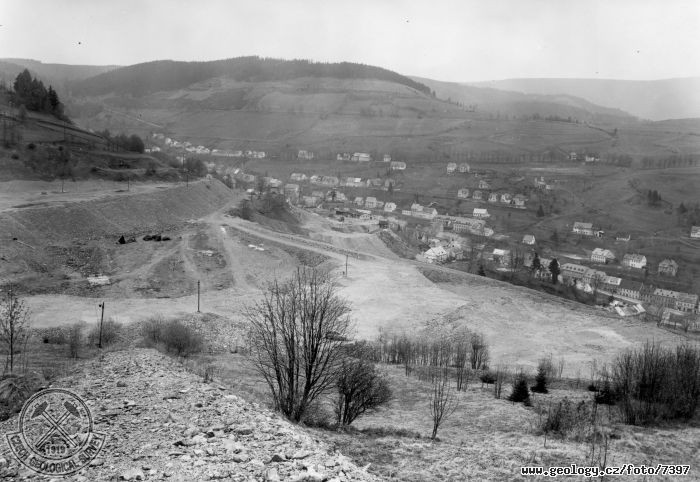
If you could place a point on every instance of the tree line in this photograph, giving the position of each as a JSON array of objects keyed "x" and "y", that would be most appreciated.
[
  {"x": 30, "y": 93},
  {"x": 131, "y": 143}
]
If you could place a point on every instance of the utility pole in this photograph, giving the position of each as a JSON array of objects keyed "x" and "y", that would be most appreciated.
[
  {"x": 198, "y": 296},
  {"x": 346, "y": 265},
  {"x": 102, "y": 318}
]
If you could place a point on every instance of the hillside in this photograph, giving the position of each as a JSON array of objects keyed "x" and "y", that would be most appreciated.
[
  {"x": 511, "y": 103},
  {"x": 161, "y": 75},
  {"x": 654, "y": 99},
  {"x": 163, "y": 423}
]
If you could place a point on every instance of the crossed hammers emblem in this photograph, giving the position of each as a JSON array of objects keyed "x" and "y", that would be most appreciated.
[{"x": 70, "y": 410}]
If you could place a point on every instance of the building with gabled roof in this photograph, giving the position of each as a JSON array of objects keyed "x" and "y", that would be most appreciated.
[
  {"x": 585, "y": 229},
  {"x": 600, "y": 255},
  {"x": 637, "y": 261},
  {"x": 480, "y": 213},
  {"x": 668, "y": 267}
]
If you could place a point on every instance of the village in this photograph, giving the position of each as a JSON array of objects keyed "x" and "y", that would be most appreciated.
[{"x": 463, "y": 239}]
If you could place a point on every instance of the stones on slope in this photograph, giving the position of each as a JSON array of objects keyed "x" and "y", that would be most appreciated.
[{"x": 204, "y": 434}]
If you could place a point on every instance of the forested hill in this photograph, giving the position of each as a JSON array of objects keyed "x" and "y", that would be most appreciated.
[{"x": 146, "y": 78}]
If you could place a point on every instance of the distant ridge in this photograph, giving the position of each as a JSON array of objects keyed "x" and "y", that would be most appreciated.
[
  {"x": 649, "y": 99},
  {"x": 60, "y": 75},
  {"x": 161, "y": 75}
]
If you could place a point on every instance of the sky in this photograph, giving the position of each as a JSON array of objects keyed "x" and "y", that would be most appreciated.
[{"x": 450, "y": 40}]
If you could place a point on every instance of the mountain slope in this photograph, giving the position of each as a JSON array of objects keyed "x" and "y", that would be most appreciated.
[
  {"x": 519, "y": 103},
  {"x": 146, "y": 78},
  {"x": 655, "y": 99}
]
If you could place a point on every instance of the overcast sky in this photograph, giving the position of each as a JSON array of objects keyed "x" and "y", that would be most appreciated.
[{"x": 461, "y": 40}]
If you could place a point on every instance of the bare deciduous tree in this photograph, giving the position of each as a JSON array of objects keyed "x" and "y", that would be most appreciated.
[
  {"x": 14, "y": 325},
  {"x": 443, "y": 401},
  {"x": 361, "y": 388},
  {"x": 296, "y": 336},
  {"x": 479, "y": 356}
]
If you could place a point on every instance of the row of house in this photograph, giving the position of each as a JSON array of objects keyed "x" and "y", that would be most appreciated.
[
  {"x": 333, "y": 181},
  {"x": 634, "y": 290},
  {"x": 200, "y": 149},
  {"x": 420, "y": 211},
  {"x": 505, "y": 198},
  {"x": 667, "y": 267}
]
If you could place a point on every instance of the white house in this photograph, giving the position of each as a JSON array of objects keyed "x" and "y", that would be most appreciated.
[
  {"x": 397, "y": 166},
  {"x": 695, "y": 232},
  {"x": 354, "y": 182},
  {"x": 484, "y": 184},
  {"x": 371, "y": 202},
  {"x": 519, "y": 200},
  {"x": 451, "y": 167},
  {"x": 493, "y": 197},
  {"x": 464, "y": 167},
  {"x": 505, "y": 198},
  {"x": 477, "y": 195},
  {"x": 463, "y": 193},
  {"x": 436, "y": 255},
  {"x": 298, "y": 176},
  {"x": 389, "y": 207},
  {"x": 585, "y": 229},
  {"x": 343, "y": 157},
  {"x": 529, "y": 239},
  {"x": 305, "y": 155},
  {"x": 637, "y": 261},
  {"x": 600, "y": 255},
  {"x": 480, "y": 213},
  {"x": 386, "y": 158},
  {"x": 361, "y": 157}
]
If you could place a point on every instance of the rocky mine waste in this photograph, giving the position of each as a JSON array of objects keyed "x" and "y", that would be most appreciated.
[{"x": 164, "y": 423}]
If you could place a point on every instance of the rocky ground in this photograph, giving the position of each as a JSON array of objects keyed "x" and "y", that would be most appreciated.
[{"x": 164, "y": 423}]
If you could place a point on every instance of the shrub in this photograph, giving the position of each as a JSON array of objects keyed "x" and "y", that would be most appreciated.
[
  {"x": 180, "y": 339},
  {"x": 606, "y": 396},
  {"x": 318, "y": 415},
  {"x": 112, "y": 332},
  {"x": 566, "y": 419},
  {"x": 520, "y": 392},
  {"x": 652, "y": 383},
  {"x": 75, "y": 340},
  {"x": 488, "y": 377},
  {"x": 152, "y": 330},
  {"x": 54, "y": 335}
]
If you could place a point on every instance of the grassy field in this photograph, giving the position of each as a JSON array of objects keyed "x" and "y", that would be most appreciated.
[{"x": 484, "y": 439}]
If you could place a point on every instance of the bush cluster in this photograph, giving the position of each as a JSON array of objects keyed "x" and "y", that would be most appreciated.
[{"x": 172, "y": 335}]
